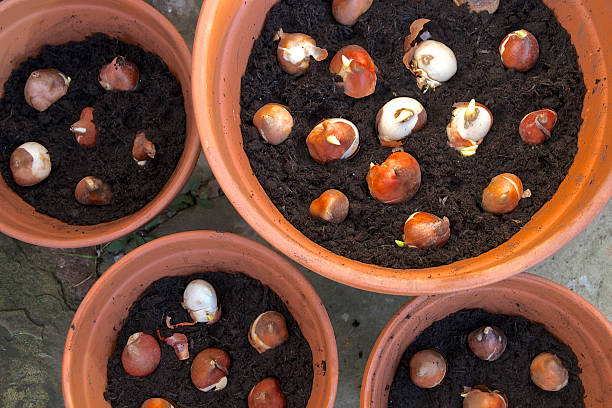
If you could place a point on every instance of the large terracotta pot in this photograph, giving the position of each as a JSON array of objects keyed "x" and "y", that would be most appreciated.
[
  {"x": 224, "y": 39},
  {"x": 91, "y": 337},
  {"x": 566, "y": 315},
  {"x": 26, "y": 26}
]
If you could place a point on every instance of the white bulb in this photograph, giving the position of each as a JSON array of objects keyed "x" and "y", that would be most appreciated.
[
  {"x": 200, "y": 299},
  {"x": 476, "y": 130},
  {"x": 398, "y": 118},
  {"x": 436, "y": 60}
]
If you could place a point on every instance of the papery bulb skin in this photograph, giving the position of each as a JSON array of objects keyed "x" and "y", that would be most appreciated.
[
  {"x": 331, "y": 206},
  {"x": 294, "y": 52},
  {"x": 519, "y": 50},
  {"x": 396, "y": 180},
  {"x": 357, "y": 70},
  {"x": 347, "y": 12},
  {"x": 333, "y": 139},
  {"x": 503, "y": 194},
  {"x": 44, "y": 87}
]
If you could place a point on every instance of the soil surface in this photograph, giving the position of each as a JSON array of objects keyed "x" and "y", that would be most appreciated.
[
  {"x": 156, "y": 107},
  {"x": 241, "y": 299},
  {"x": 451, "y": 185},
  {"x": 509, "y": 374}
]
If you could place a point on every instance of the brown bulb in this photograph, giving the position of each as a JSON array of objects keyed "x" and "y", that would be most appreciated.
[
  {"x": 274, "y": 123},
  {"x": 427, "y": 368},
  {"x": 141, "y": 355},
  {"x": 119, "y": 75},
  {"x": 348, "y": 11},
  {"x": 536, "y": 127},
  {"x": 30, "y": 164},
  {"x": 209, "y": 370},
  {"x": 357, "y": 70},
  {"x": 481, "y": 397},
  {"x": 178, "y": 341},
  {"x": 45, "y": 87},
  {"x": 548, "y": 373},
  {"x": 478, "y": 6},
  {"x": 503, "y": 194},
  {"x": 84, "y": 129},
  {"x": 396, "y": 180},
  {"x": 294, "y": 51},
  {"x": 158, "y": 403},
  {"x": 331, "y": 206},
  {"x": 267, "y": 394},
  {"x": 143, "y": 149},
  {"x": 488, "y": 343},
  {"x": 93, "y": 191},
  {"x": 333, "y": 139},
  {"x": 519, "y": 50},
  {"x": 268, "y": 331},
  {"x": 424, "y": 230}
]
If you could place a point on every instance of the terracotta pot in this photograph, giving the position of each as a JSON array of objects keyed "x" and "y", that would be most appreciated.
[
  {"x": 566, "y": 315},
  {"x": 27, "y": 26},
  {"x": 91, "y": 337},
  {"x": 224, "y": 39}
]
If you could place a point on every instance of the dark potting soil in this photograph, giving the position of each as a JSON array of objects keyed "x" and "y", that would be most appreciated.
[
  {"x": 509, "y": 374},
  {"x": 156, "y": 107},
  {"x": 451, "y": 185},
  {"x": 241, "y": 299}
]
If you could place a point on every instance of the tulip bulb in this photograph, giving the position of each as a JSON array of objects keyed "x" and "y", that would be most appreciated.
[
  {"x": 200, "y": 300},
  {"x": 536, "y": 127},
  {"x": 333, "y": 139},
  {"x": 399, "y": 118},
  {"x": 179, "y": 342},
  {"x": 503, "y": 194},
  {"x": 396, "y": 180},
  {"x": 469, "y": 125},
  {"x": 481, "y": 397},
  {"x": 268, "y": 331},
  {"x": 488, "y": 343},
  {"x": 357, "y": 70},
  {"x": 424, "y": 230},
  {"x": 119, "y": 75},
  {"x": 84, "y": 129},
  {"x": 348, "y": 11},
  {"x": 427, "y": 368},
  {"x": 209, "y": 370},
  {"x": 331, "y": 206},
  {"x": 519, "y": 50},
  {"x": 141, "y": 355},
  {"x": 93, "y": 191},
  {"x": 143, "y": 149},
  {"x": 478, "y": 6},
  {"x": 158, "y": 403},
  {"x": 267, "y": 394},
  {"x": 274, "y": 122},
  {"x": 30, "y": 164},
  {"x": 294, "y": 51},
  {"x": 432, "y": 63},
  {"x": 548, "y": 373},
  {"x": 45, "y": 87}
]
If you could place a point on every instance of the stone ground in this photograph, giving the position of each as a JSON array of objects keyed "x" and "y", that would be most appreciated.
[{"x": 41, "y": 288}]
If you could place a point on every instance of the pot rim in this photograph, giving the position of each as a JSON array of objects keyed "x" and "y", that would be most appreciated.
[
  {"x": 89, "y": 235},
  {"x": 234, "y": 244},
  {"x": 417, "y": 303}
]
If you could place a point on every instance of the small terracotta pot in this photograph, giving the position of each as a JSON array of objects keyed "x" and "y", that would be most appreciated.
[
  {"x": 92, "y": 334},
  {"x": 566, "y": 315},
  {"x": 224, "y": 39},
  {"x": 29, "y": 25}
]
